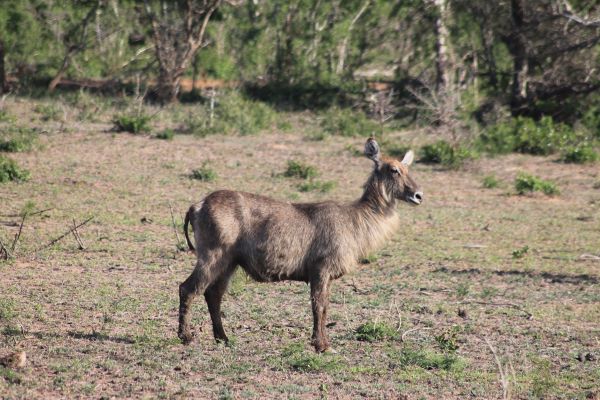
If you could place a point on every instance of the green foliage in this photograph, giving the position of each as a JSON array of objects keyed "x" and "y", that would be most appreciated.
[
  {"x": 314, "y": 185},
  {"x": 48, "y": 112},
  {"x": 525, "y": 135},
  {"x": 591, "y": 120},
  {"x": 204, "y": 173},
  {"x": 348, "y": 122},
  {"x": 296, "y": 169},
  {"x": 447, "y": 341},
  {"x": 133, "y": 123},
  {"x": 7, "y": 310},
  {"x": 299, "y": 359},
  {"x": 580, "y": 154},
  {"x": 520, "y": 253},
  {"x": 526, "y": 183},
  {"x": 232, "y": 114},
  {"x": 167, "y": 134},
  {"x": 443, "y": 153},
  {"x": 11, "y": 172},
  {"x": 15, "y": 139},
  {"x": 375, "y": 332},
  {"x": 428, "y": 359},
  {"x": 5, "y": 116},
  {"x": 490, "y": 182}
]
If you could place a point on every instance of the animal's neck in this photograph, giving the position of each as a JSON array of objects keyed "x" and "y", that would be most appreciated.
[{"x": 375, "y": 217}]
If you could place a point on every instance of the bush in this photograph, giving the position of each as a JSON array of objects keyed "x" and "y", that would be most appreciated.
[
  {"x": 16, "y": 139},
  {"x": 525, "y": 135},
  {"x": 10, "y": 171},
  {"x": 442, "y": 152},
  {"x": 490, "y": 182},
  {"x": 296, "y": 169},
  {"x": 526, "y": 183},
  {"x": 348, "y": 122},
  {"x": 167, "y": 134},
  {"x": 375, "y": 331},
  {"x": 580, "y": 154},
  {"x": 204, "y": 173},
  {"x": 133, "y": 123}
]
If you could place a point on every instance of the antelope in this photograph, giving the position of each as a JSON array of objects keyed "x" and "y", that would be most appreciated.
[{"x": 274, "y": 241}]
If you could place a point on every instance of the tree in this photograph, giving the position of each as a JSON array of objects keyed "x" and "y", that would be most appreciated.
[
  {"x": 3, "y": 82},
  {"x": 178, "y": 29}
]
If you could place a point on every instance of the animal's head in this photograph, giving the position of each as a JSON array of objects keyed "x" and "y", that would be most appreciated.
[{"x": 393, "y": 175}]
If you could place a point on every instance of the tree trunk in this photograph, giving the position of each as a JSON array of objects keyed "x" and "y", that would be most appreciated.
[
  {"x": 61, "y": 72},
  {"x": 168, "y": 86},
  {"x": 442, "y": 41},
  {"x": 518, "y": 50},
  {"x": 3, "y": 82},
  {"x": 343, "y": 47}
]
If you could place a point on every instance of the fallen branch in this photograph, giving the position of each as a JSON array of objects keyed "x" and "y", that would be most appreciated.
[
  {"x": 65, "y": 234},
  {"x": 77, "y": 237},
  {"x": 18, "y": 235},
  {"x": 485, "y": 303}
]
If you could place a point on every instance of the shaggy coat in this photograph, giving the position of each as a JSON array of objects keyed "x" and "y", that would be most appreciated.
[{"x": 274, "y": 241}]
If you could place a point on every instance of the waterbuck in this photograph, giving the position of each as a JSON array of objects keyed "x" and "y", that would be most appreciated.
[{"x": 274, "y": 241}]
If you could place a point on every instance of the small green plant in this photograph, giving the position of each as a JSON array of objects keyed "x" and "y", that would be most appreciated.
[
  {"x": 11, "y": 172},
  {"x": 447, "y": 341},
  {"x": 133, "y": 123},
  {"x": 443, "y": 153},
  {"x": 321, "y": 186},
  {"x": 526, "y": 183},
  {"x": 428, "y": 359},
  {"x": 300, "y": 170},
  {"x": 16, "y": 139},
  {"x": 520, "y": 253},
  {"x": 490, "y": 182},
  {"x": 204, "y": 173},
  {"x": 369, "y": 259},
  {"x": 7, "y": 310},
  {"x": 5, "y": 116},
  {"x": 167, "y": 134},
  {"x": 48, "y": 112},
  {"x": 462, "y": 290},
  {"x": 375, "y": 332},
  {"x": 580, "y": 154},
  {"x": 348, "y": 122},
  {"x": 298, "y": 359}
]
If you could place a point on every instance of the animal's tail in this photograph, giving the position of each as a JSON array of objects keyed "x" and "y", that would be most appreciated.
[{"x": 186, "y": 222}]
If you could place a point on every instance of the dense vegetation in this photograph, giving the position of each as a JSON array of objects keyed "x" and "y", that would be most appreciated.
[{"x": 461, "y": 67}]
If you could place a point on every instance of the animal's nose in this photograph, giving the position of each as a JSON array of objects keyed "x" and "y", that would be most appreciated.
[{"x": 419, "y": 196}]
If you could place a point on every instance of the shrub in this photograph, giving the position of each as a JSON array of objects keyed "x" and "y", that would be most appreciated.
[
  {"x": 323, "y": 187},
  {"x": 580, "y": 154},
  {"x": 48, "y": 112},
  {"x": 16, "y": 139},
  {"x": 297, "y": 169},
  {"x": 375, "y": 331},
  {"x": 348, "y": 122},
  {"x": 525, "y": 135},
  {"x": 526, "y": 183},
  {"x": 167, "y": 134},
  {"x": 133, "y": 123},
  {"x": 204, "y": 173},
  {"x": 429, "y": 360},
  {"x": 442, "y": 152},
  {"x": 490, "y": 182},
  {"x": 11, "y": 172}
]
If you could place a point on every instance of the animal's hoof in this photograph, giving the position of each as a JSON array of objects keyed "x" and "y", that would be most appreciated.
[
  {"x": 320, "y": 347},
  {"x": 186, "y": 337}
]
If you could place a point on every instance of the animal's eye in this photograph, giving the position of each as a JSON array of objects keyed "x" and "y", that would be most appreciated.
[{"x": 395, "y": 170}]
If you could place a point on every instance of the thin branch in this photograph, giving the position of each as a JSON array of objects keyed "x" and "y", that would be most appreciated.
[
  {"x": 65, "y": 234},
  {"x": 18, "y": 235},
  {"x": 515, "y": 306},
  {"x": 174, "y": 225},
  {"x": 77, "y": 237},
  {"x": 502, "y": 370}
]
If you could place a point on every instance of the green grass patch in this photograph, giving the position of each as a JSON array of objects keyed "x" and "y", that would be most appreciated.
[
  {"x": 321, "y": 186},
  {"x": 580, "y": 154},
  {"x": 520, "y": 252},
  {"x": 204, "y": 173},
  {"x": 307, "y": 361},
  {"x": 526, "y": 183},
  {"x": 445, "y": 154},
  {"x": 16, "y": 139},
  {"x": 427, "y": 359},
  {"x": 132, "y": 123},
  {"x": 167, "y": 134},
  {"x": 375, "y": 332},
  {"x": 296, "y": 169},
  {"x": 348, "y": 122},
  {"x": 48, "y": 112},
  {"x": 11, "y": 172}
]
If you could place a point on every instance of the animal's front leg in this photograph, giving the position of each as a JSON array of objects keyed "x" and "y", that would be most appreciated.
[{"x": 319, "y": 296}]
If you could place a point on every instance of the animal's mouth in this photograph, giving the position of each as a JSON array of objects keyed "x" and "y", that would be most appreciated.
[{"x": 415, "y": 199}]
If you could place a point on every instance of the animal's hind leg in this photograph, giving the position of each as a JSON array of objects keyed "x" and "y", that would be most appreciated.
[
  {"x": 214, "y": 297},
  {"x": 319, "y": 295},
  {"x": 196, "y": 283}
]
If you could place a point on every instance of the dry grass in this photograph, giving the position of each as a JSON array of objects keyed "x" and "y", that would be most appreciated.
[{"x": 101, "y": 322}]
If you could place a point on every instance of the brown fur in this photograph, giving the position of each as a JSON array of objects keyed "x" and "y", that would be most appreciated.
[{"x": 273, "y": 241}]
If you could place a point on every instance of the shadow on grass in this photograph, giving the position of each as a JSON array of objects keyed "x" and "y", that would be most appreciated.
[
  {"x": 553, "y": 278},
  {"x": 101, "y": 337}
]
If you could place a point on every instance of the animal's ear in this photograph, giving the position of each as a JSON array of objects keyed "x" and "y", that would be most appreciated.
[
  {"x": 372, "y": 151},
  {"x": 408, "y": 158}
]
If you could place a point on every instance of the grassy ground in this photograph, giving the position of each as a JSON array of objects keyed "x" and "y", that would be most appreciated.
[{"x": 471, "y": 270}]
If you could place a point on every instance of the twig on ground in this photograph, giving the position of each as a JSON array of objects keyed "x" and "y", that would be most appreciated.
[
  {"x": 504, "y": 378},
  {"x": 485, "y": 303},
  {"x": 18, "y": 235},
  {"x": 403, "y": 337},
  {"x": 77, "y": 237},
  {"x": 64, "y": 234},
  {"x": 174, "y": 226}
]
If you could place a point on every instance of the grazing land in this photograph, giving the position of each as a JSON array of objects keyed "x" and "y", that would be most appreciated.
[{"x": 483, "y": 293}]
